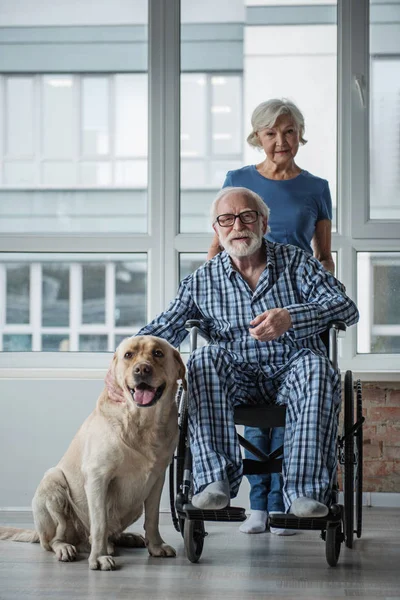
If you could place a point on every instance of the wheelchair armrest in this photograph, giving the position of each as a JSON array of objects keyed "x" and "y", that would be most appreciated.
[
  {"x": 335, "y": 330},
  {"x": 192, "y": 323},
  {"x": 194, "y": 328},
  {"x": 339, "y": 326}
]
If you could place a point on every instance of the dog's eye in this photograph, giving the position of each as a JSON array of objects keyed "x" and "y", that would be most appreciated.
[
  {"x": 128, "y": 355},
  {"x": 158, "y": 353}
]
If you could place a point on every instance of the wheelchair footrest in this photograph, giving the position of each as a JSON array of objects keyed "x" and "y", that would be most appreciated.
[
  {"x": 230, "y": 513},
  {"x": 289, "y": 521}
]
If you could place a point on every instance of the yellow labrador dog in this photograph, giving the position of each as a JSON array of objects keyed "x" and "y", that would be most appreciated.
[{"x": 115, "y": 464}]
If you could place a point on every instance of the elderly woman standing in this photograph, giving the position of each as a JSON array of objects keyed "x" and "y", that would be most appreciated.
[{"x": 301, "y": 214}]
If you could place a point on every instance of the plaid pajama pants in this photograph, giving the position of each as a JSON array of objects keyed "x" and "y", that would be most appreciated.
[{"x": 310, "y": 389}]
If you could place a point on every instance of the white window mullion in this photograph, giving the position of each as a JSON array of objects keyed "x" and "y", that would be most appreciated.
[
  {"x": 77, "y": 80},
  {"x": 3, "y": 302},
  {"x": 112, "y": 132},
  {"x": 164, "y": 124},
  {"x": 110, "y": 305},
  {"x": 35, "y": 305},
  {"x": 75, "y": 305}
]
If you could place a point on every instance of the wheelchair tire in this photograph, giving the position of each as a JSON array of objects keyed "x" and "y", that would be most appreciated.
[
  {"x": 333, "y": 541},
  {"x": 193, "y": 537},
  {"x": 181, "y": 449},
  {"x": 359, "y": 465},
  {"x": 348, "y": 486}
]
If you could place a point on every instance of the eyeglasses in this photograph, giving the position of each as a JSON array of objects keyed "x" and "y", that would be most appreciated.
[{"x": 247, "y": 217}]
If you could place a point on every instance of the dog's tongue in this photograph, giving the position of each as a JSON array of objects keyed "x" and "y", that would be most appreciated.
[{"x": 144, "y": 396}]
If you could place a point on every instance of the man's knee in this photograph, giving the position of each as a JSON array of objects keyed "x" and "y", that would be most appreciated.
[{"x": 203, "y": 357}]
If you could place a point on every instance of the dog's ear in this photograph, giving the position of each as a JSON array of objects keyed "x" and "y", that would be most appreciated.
[{"x": 181, "y": 369}]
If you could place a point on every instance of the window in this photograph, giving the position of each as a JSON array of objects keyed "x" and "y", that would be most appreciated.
[
  {"x": 85, "y": 303},
  {"x": 66, "y": 133},
  {"x": 73, "y": 211}
]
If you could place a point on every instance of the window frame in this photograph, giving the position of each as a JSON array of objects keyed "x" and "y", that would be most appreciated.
[{"x": 163, "y": 242}]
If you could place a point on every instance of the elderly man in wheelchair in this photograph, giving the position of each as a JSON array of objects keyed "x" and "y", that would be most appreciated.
[{"x": 263, "y": 305}]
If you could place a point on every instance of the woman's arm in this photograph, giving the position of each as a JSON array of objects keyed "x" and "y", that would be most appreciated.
[{"x": 321, "y": 244}]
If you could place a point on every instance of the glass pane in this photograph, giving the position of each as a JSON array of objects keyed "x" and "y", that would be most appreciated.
[
  {"x": 55, "y": 343},
  {"x": 195, "y": 210},
  {"x": 131, "y": 115},
  {"x": 95, "y": 111},
  {"x": 378, "y": 292},
  {"x": 189, "y": 262},
  {"x": 193, "y": 102},
  {"x": 226, "y": 111},
  {"x": 131, "y": 173},
  {"x": 59, "y": 174},
  {"x": 59, "y": 116},
  {"x": 238, "y": 61},
  {"x": 93, "y": 293},
  {"x": 95, "y": 174},
  {"x": 17, "y": 293},
  {"x": 385, "y": 125},
  {"x": 55, "y": 294},
  {"x": 19, "y": 116},
  {"x": 19, "y": 173},
  {"x": 131, "y": 293},
  {"x": 72, "y": 302},
  {"x": 85, "y": 211},
  {"x": 17, "y": 343},
  {"x": 93, "y": 343}
]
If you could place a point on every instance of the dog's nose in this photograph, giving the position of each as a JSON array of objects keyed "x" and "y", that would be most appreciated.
[{"x": 143, "y": 369}]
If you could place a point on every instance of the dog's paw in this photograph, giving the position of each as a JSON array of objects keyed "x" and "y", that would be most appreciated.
[
  {"x": 65, "y": 552},
  {"x": 163, "y": 551},
  {"x": 102, "y": 563}
]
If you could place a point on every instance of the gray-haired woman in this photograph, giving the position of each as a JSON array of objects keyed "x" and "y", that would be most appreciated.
[{"x": 301, "y": 214}]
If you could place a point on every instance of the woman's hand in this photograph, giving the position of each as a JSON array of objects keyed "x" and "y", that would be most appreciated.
[
  {"x": 270, "y": 324},
  {"x": 215, "y": 248}
]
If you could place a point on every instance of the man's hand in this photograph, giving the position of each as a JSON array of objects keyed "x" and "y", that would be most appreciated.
[
  {"x": 270, "y": 324},
  {"x": 115, "y": 392}
]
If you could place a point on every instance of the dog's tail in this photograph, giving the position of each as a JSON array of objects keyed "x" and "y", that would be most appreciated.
[{"x": 19, "y": 535}]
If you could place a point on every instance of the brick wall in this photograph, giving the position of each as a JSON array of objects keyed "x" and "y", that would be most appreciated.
[{"x": 381, "y": 408}]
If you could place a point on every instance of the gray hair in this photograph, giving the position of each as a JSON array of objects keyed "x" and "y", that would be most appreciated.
[
  {"x": 249, "y": 194},
  {"x": 266, "y": 115}
]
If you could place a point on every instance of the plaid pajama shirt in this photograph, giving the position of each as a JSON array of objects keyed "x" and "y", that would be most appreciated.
[{"x": 235, "y": 368}]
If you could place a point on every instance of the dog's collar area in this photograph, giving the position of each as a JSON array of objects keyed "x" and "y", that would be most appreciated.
[{"x": 144, "y": 395}]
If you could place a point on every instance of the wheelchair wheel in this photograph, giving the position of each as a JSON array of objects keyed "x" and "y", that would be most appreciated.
[
  {"x": 348, "y": 487},
  {"x": 182, "y": 441},
  {"x": 193, "y": 537},
  {"x": 359, "y": 464},
  {"x": 333, "y": 541},
  {"x": 176, "y": 468}
]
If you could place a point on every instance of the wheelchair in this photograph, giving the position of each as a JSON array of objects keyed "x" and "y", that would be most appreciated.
[{"x": 343, "y": 521}]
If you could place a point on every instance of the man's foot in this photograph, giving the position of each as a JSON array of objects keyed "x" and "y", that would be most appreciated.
[
  {"x": 278, "y": 530},
  {"x": 215, "y": 496},
  {"x": 308, "y": 507},
  {"x": 255, "y": 523}
]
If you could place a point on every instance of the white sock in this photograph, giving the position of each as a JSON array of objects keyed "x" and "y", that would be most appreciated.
[
  {"x": 308, "y": 507},
  {"x": 255, "y": 523},
  {"x": 215, "y": 496},
  {"x": 278, "y": 530}
]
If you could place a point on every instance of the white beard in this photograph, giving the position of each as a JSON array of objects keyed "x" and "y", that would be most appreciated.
[{"x": 241, "y": 249}]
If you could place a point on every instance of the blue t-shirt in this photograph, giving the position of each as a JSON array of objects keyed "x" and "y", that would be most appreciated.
[{"x": 296, "y": 204}]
